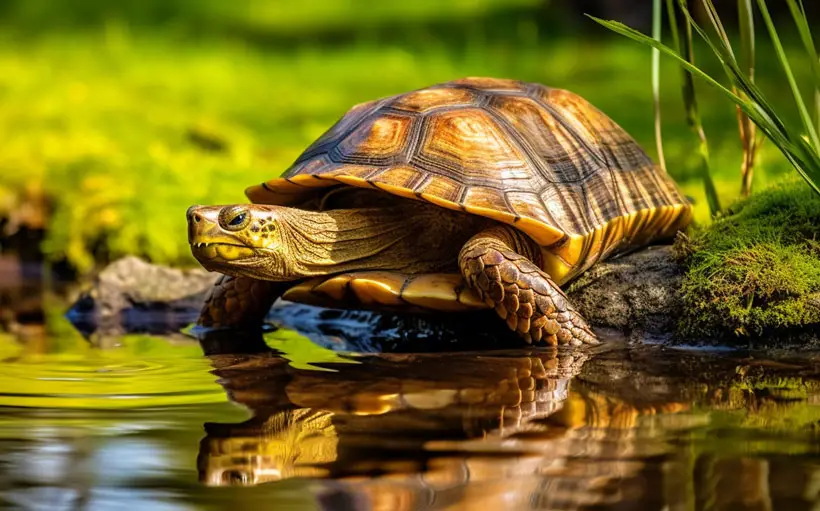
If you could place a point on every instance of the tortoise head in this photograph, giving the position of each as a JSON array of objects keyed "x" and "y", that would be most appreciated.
[
  {"x": 284, "y": 244},
  {"x": 239, "y": 239}
]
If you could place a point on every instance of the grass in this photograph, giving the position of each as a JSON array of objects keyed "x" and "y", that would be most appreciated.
[
  {"x": 685, "y": 46},
  {"x": 756, "y": 269},
  {"x": 121, "y": 122},
  {"x": 797, "y": 141}
]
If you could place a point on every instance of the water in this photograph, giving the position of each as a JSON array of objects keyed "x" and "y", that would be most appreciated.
[{"x": 154, "y": 424}]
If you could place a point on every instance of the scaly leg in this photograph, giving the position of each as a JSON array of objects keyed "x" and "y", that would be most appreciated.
[
  {"x": 500, "y": 263},
  {"x": 239, "y": 302}
]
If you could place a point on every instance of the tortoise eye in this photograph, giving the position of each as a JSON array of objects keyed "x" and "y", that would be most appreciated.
[
  {"x": 238, "y": 219},
  {"x": 234, "y": 218}
]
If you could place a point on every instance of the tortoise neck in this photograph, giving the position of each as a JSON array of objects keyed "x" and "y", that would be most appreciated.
[{"x": 411, "y": 237}]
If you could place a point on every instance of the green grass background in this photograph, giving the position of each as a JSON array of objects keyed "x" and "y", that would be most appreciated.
[{"x": 104, "y": 106}]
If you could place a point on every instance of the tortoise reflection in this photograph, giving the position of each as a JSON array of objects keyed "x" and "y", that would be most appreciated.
[
  {"x": 413, "y": 430},
  {"x": 636, "y": 428},
  {"x": 378, "y": 415}
]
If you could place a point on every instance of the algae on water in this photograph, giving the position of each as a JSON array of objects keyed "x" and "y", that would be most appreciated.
[{"x": 755, "y": 270}]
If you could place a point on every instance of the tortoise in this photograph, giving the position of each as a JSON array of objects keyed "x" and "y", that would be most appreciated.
[{"x": 478, "y": 193}]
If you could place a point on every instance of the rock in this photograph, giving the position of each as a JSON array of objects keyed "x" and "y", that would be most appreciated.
[
  {"x": 132, "y": 295},
  {"x": 635, "y": 294}
]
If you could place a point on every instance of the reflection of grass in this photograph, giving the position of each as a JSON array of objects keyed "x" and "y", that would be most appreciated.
[
  {"x": 301, "y": 352},
  {"x": 136, "y": 375},
  {"x": 794, "y": 417},
  {"x": 9, "y": 348},
  {"x": 124, "y": 128}
]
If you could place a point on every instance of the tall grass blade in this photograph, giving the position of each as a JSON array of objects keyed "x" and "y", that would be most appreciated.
[
  {"x": 746, "y": 24},
  {"x": 714, "y": 18},
  {"x": 633, "y": 34},
  {"x": 690, "y": 103},
  {"x": 808, "y": 124},
  {"x": 672, "y": 19},
  {"x": 693, "y": 116},
  {"x": 797, "y": 150},
  {"x": 802, "y": 22},
  {"x": 747, "y": 129},
  {"x": 803, "y": 29},
  {"x": 817, "y": 107},
  {"x": 656, "y": 81}
]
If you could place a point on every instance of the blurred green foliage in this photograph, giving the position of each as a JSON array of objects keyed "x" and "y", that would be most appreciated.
[{"x": 122, "y": 114}]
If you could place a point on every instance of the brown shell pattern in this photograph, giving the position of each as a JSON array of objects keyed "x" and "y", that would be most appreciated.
[{"x": 542, "y": 159}]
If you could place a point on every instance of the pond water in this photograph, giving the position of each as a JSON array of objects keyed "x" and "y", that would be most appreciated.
[{"x": 152, "y": 423}]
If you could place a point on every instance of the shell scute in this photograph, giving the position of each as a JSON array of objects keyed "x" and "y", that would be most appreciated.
[
  {"x": 469, "y": 143},
  {"x": 441, "y": 188},
  {"x": 434, "y": 97},
  {"x": 490, "y": 84},
  {"x": 560, "y": 155},
  {"x": 377, "y": 140}
]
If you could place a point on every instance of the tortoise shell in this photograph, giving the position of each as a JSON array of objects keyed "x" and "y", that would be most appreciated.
[{"x": 541, "y": 159}]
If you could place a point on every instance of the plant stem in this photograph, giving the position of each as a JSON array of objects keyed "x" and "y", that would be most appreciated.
[
  {"x": 817, "y": 107},
  {"x": 656, "y": 81},
  {"x": 693, "y": 117},
  {"x": 747, "y": 129}
]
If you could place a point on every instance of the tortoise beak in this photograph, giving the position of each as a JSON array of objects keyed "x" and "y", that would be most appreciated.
[
  {"x": 194, "y": 217},
  {"x": 203, "y": 226}
]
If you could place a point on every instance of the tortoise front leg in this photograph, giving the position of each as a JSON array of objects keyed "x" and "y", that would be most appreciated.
[
  {"x": 500, "y": 264},
  {"x": 239, "y": 302}
]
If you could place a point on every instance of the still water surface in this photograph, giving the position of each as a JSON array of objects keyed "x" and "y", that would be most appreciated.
[{"x": 155, "y": 424}]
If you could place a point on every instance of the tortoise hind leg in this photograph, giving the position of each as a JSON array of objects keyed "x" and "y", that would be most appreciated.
[
  {"x": 499, "y": 263},
  {"x": 239, "y": 302}
]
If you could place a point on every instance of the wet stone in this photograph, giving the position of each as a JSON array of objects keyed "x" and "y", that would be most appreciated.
[
  {"x": 637, "y": 294},
  {"x": 131, "y": 295}
]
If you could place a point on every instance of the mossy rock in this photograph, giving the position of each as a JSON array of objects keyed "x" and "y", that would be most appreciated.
[{"x": 755, "y": 272}]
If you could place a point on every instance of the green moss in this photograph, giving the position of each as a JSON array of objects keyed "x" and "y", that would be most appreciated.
[{"x": 756, "y": 269}]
